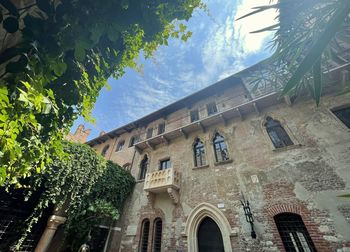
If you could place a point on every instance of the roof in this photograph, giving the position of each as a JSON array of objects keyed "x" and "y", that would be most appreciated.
[{"x": 187, "y": 101}]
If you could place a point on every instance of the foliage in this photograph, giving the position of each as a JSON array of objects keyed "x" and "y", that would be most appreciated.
[
  {"x": 103, "y": 203},
  {"x": 55, "y": 57},
  {"x": 83, "y": 187},
  {"x": 310, "y": 38}
]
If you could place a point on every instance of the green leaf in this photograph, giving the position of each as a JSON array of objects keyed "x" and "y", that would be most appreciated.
[
  {"x": 2, "y": 175},
  {"x": 316, "y": 50},
  {"x": 344, "y": 196},
  {"x": 317, "y": 74},
  {"x": 79, "y": 52},
  {"x": 59, "y": 68}
]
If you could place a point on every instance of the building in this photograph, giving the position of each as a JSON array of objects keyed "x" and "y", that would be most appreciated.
[{"x": 199, "y": 158}]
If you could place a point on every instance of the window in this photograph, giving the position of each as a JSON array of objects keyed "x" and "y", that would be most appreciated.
[
  {"x": 149, "y": 132},
  {"x": 157, "y": 235},
  {"x": 344, "y": 115},
  {"x": 133, "y": 140},
  {"x": 143, "y": 167},
  {"x": 127, "y": 166},
  {"x": 211, "y": 108},
  {"x": 220, "y": 148},
  {"x": 293, "y": 232},
  {"x": 199, "y": 153},
  {"x": 105, "y": 149},
  {"x": 277, "y": 133},
  {"x": 161, "y": 128},
  {"x": 144, "y": 236},
  {"x": 194, "y": 115},
  {"x": 120, "y": 145},
  {"x": 165, "y": 164}
]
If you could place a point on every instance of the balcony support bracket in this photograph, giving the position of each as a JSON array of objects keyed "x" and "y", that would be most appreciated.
[
  {"x": 240, "y": 114},
  {"x": 150, "y": 145},
  {"x": 166, "y": 140},
  {"x": 257, "y": 110},
  {"x": 174, "y": 195},
  {"x": 184, "y": 133},
  {"x": 202, "y": 127}
]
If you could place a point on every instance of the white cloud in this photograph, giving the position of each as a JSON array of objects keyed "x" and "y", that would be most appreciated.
[{"x": 252, "y": 42}]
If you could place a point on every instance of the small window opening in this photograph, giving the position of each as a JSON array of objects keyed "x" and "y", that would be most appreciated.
[
  {"x": 194, "y": 115},
  {"x": 211, "y": 108},
  {"x": 165, "y": 164}
]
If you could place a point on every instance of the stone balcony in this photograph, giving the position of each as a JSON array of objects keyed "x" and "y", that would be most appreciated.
[{"x": 167, "y": 181}]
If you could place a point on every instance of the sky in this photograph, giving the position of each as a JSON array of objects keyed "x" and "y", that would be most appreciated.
[{"x": 219, "y": 47}]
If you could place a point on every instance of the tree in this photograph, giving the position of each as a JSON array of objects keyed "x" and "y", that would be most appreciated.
[
  {"x": 81, "y": 186},
  {"x": 310, "y": 38},
  {"x": 56, "y": 57}
]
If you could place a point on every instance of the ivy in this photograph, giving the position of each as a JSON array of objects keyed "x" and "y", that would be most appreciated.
[
  {"x": 83, "y": 187},
  {"x": 61, "y": 57}
]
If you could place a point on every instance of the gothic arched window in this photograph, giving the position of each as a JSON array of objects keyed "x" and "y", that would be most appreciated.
[
  {"x": 105, "y": 149},
  {"x": 157, "y": 235},
  {"x": 220, "y": 148},
  {"x": 293, "y": 232},
  {"x": 143, "y": 168},
  {"x": 277, "y": 133},
  {"x": 199, "y": 153},
  {"x": 144, "y": 235}
]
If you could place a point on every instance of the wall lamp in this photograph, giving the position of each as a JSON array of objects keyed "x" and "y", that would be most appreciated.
[{"x": 248, "y": 216}]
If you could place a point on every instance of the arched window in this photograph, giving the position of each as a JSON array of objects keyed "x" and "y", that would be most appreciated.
[
  {"x": 157, "y": 235},
  {"x": 127, "y": 166},
  {"x": 199, "y": 153},
  {"x": 220, "y": 148},
  {"x": 120, "y": 145},
  {"x": 143, "y": 168},
  {"x": 133, "y": 140},
  {"x": 105, "y": 149},
  {"x": 144, "y": 236},
  {"x": 277, "y": 133},
  {"x": 293, "y": 232}
]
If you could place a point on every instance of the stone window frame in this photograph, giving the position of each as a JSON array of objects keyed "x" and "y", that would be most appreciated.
[
  {"x": 193, "y": 111},
  {"x": 160, "y": 126},
  {"x": 138, "y": 180},
  {"x": 165, "y": 159},
  {"x": 205, "y": 153},
  {"x": 320, "y": 243},
  {"x": 214, "y": 105},
  {"x": 127, "y": 167},
  {"x": 149, "y": 132},
  {"x": 154, "y": 230},
  {"x": 283, "y": 123},
  {"x": 105, "y": 150},
  {"x": 151, "y": 216},
  {"x": 225, "y": 136},
  {"x": 118, "y": 144},
  {"x": 339, "y": 122}
]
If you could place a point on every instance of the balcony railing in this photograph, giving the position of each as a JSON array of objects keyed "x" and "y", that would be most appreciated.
[{"x": 164, "y": 181}]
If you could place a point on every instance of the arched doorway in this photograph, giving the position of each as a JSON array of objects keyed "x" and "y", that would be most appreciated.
[
  {"x": 209, "y": 236},
  {"x": 201, "y": 218}
]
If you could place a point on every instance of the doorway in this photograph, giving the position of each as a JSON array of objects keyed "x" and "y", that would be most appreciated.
[{"x": 209, "y": 236}]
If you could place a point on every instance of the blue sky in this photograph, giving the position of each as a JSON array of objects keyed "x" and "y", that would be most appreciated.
[{"x": 218, "y": 47}]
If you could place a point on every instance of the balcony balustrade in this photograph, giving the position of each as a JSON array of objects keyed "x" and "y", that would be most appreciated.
[{"x": 167, "y": 180}]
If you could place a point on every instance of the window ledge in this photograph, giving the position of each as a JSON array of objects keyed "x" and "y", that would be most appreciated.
[
  {"x": 223, "y": 162},
  {"x": 200, "y": 167},
  {"x": 140, "y": 181},
  {"x": 285, "y": 148}
]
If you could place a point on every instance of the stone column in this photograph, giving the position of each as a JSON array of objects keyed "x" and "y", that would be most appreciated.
[{"x": 52, "y": 225}]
